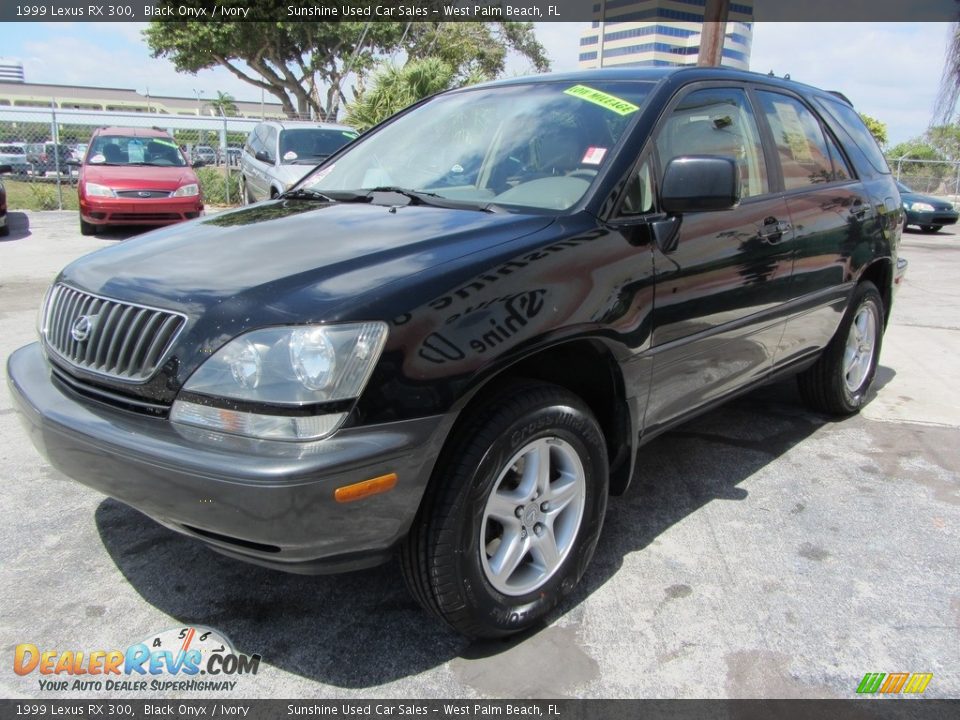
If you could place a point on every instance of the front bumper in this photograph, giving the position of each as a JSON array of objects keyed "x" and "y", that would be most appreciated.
[
  {"x": 271, "y": 503},
  {"x": 935, "y": 217},
  {"x": 130, "y": 211}
]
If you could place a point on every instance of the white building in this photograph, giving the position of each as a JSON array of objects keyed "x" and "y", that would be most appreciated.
[{"x": 661, "y": 33}]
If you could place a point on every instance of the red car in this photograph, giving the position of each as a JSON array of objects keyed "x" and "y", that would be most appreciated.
[{"x": 136, "y": 176}]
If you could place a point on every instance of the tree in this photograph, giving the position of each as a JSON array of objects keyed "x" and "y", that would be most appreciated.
[
  {"x": 394, "y": 88},
  {"x": 945, "y": 109},
  {"x": 475, "y": 49},
  {"x": 306, "y": 64},
  {"x": 877, "y": 129},
  {"x": 224, "y": 105}
]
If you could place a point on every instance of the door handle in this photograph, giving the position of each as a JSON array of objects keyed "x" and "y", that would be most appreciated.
[
  {"x": 859, "y": 209},
  {"x": 772, "y": 230}
]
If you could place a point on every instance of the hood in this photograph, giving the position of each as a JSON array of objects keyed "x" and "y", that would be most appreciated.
[
  {"x": 937, "y": 203},
  {"x": 276, "y": 259},
  {"x": 139, "y": 177}
]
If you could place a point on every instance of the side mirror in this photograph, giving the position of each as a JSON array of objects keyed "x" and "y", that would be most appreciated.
[
  {"x": 263, "y": 156},
  {"x": 73, "y": 163},
  {"x": 699, "y": 183},
  {"x": 5, "y": 169}
]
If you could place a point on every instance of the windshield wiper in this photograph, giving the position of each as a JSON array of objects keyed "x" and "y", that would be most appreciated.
[
  {"x": 422, "y": 197},
  {"x": 305, "y": 194}
]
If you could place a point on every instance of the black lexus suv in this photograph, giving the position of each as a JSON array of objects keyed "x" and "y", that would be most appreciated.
[{"x": 450, "y": 340}]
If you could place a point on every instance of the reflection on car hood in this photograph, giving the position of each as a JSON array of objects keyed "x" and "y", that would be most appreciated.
[{"x": 271, "y": 251}]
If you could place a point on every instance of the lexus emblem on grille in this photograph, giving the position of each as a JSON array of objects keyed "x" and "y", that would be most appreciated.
[{"x": 81, "y": 328}]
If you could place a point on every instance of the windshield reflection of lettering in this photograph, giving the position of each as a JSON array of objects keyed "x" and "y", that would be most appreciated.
[{"x": 507, "y": 322}]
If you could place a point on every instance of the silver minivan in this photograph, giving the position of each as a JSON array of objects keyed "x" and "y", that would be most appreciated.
[{"x": 278, "y": 153}]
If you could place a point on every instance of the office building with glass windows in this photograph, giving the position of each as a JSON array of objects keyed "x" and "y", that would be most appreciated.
[{"x": 660, "y": 33}]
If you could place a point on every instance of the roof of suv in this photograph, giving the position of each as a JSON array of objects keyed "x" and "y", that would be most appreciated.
[
  {"x": 300, "y": 124},
  {"x": 691, "y": 74},
  {"x": 133, "y": 132}
]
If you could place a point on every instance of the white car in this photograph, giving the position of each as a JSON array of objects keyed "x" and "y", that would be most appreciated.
[{"x": 277, "y": 154}]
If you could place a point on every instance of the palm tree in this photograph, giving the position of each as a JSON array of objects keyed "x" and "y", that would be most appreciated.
[
  {"x": 393, "y": 88},
  {"x": 950, "y": 82},
  {"x": 224, "y": 105}
]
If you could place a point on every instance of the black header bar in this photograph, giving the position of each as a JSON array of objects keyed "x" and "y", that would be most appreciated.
[{"x": 472, "y": 10}]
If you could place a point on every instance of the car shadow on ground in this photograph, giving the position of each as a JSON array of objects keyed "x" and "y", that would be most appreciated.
[
  {"x": 19, "y": 225},
  {"x": 362, "y": 629},
  {"x": 122, "y": 232}
]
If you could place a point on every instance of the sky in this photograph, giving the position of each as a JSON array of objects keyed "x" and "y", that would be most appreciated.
[{"x": 890, "y": 71}]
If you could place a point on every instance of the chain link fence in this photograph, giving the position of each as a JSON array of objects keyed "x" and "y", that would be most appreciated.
[
  {"x": 930, "y": 177},
  {"x": 39, "y": 144}
]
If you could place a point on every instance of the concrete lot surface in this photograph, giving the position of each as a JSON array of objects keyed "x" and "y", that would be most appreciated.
[{"x": 764, "y": 551}]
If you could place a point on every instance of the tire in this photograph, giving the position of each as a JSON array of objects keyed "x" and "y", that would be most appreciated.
[
  {"x": 930, "y": 228},
  {"x": 484, "y": 493},
  {"x": 87, "y": 229},
  {"x": 839, "y": 381}
]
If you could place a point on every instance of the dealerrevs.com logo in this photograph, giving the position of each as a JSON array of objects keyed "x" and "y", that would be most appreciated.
[{"x": 182, "y": 659}]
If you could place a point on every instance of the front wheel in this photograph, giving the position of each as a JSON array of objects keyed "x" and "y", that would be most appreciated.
[
  {"x": 838, "y": 383},
  {"x": 86, "y": 228},
  {"x": 513, "y": 513}
]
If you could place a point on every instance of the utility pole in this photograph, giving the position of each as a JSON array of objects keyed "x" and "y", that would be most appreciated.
[{"x": 714, "y": 29}]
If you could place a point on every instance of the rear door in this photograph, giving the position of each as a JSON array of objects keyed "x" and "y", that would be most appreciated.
[
  {"x": 830, "y": 213},
  {"x": 719, "y": 286}
]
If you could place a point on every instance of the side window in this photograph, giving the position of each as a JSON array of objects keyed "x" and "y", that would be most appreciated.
[
  {"x": 270, "y": 142},
  {"x": 847, "y": 118},
  {"x": 639, "y": 195},
  {"x": 804, "y": 156},
  {"x": 717, "y": 121},
  {"x": 841, "y": 171},
  {"x": 254, "y": 144}
]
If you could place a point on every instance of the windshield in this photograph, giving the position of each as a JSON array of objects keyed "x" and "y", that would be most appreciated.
[
  {"x": 534, "y": 145},
  {"x": 311, "y": 145},
  {"x": 123, "y": 150}
]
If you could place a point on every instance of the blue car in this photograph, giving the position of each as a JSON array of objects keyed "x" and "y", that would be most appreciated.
[{"x": 925, "y": 211}]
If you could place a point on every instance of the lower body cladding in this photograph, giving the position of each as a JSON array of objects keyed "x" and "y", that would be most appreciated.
[{"x": 267, "y": 502}]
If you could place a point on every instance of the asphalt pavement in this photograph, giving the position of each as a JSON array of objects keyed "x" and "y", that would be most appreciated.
[{"x": 763, "y": 551}]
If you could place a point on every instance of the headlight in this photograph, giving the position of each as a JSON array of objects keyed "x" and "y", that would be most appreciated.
[
  {"x": 191, "y": 190},
  {"x": 921, "y": 207},
  {"x": 288, "y": 369},
  {"x": 94, "y": 190}
]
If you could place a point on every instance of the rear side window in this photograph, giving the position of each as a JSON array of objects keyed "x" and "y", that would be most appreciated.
[
  {"x": 717, "y": 121},
  {"x": 804, "y": 157},
  {"x": 847, "y": 118}
]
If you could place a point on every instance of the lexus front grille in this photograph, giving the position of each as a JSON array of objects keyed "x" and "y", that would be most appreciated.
[{"x": 109, "y": 337}]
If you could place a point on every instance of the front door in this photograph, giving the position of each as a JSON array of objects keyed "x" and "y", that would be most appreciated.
[{"x": 716, "y": 324}]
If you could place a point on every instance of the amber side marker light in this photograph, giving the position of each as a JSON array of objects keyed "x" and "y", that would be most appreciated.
[{"x": 360, "y": 490}]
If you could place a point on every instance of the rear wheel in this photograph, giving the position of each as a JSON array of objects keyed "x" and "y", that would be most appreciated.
[
  {"x": 930, "y": 228},
  {"x": 838, "y": 383},
  {"x": 87, "y": 228},
  {"x": 513, "y": 513}
]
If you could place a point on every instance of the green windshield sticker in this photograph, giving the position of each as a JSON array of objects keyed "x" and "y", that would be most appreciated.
[
  {"x": 168, "y": 143},
  {"x": 610, "y": 102},
  {"x": 351, "y": 135}
]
